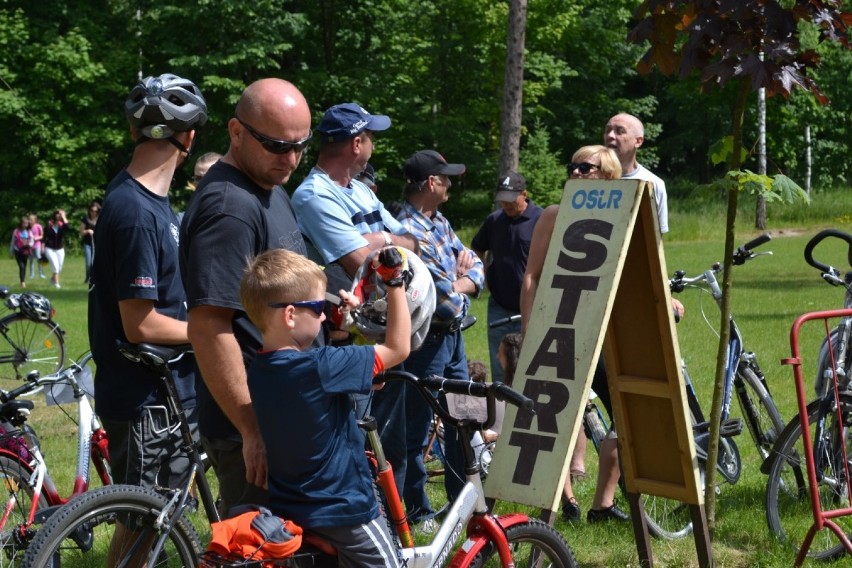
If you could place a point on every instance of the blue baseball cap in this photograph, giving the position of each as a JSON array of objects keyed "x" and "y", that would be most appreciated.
[{"x": 347, "y": 120}]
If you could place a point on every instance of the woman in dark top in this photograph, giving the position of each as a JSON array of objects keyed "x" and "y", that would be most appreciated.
[
  {"x": 87, "y": 232},
  {"x": 54, "y": 244}
]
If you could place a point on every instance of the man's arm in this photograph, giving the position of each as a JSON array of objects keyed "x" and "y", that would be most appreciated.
[
  {"x": 352, "y": 261},
  {"x": 221, "y": 362},
  {"x": 143, "y": 324}
]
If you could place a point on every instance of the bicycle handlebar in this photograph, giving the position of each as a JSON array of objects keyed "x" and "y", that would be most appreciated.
[
  {"x": 489, "y": 391},
  {"x": 817, "y": 239},
  {"x": 503, "y": 321},
  {"x": 679, "y": 281},
  {"x": 744, "y": 253}
]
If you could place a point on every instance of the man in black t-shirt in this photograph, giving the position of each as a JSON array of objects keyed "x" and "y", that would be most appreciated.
[
  {"x": 506, "y": 235},
  {"x": 239, "y": 210},
  {"x": 136, "y": 294}
]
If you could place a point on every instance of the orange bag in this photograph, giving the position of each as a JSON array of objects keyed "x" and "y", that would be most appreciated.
[{"x": 255, "y": 535}]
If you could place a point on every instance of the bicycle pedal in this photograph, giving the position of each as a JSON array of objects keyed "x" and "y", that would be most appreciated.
[{"x": 731, "y": 427}]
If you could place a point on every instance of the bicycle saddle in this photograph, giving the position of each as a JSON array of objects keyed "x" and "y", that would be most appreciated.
[{"x": 154, "y": 356}]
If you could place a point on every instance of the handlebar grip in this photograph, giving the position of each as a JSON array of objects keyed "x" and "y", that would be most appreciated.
[
  {"x": 504, "y": 321},
  {"x": 818, "y": 238},
  {"x": 16, "y": 392},
  {"x": 455, "y": 386},
  {"x": 510, "y": 395},
  {"x": 756, "y": 242}
]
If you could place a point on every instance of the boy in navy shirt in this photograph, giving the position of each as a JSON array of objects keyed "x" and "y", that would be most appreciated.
[{"x": 318, "y": 473}]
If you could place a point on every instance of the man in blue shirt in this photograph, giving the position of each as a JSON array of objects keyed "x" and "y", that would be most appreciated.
[{"x": 506, "y": 235}]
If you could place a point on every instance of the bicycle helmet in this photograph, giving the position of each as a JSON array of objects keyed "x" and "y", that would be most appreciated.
[
  {"x": 370, "y": 318},
  {"x": 35, "y": 306},
  {"x": 160, "y": 106}
]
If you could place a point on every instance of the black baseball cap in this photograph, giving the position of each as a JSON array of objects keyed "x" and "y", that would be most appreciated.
[
  {"x": 510, "y": 186},
  {"x": 427, "y": 163}
]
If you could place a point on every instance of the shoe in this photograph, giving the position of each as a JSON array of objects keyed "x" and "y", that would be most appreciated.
[
  {"x": 611, "y": 513},
  {"x": 571, "y": 510},
  {"x": 41, "y": 275}
]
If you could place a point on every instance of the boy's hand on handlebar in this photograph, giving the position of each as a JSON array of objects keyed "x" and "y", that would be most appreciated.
[{"x": 391, "y": 264}]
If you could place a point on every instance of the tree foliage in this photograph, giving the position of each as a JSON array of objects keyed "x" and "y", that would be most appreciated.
[{"x": 436, "y": 68}]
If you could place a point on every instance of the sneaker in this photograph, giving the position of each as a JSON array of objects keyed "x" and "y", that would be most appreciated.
[
  {"x": 571, "y": 510},
  {"x": 611, "y": 513},
  {"x": 41, "y": 275}
]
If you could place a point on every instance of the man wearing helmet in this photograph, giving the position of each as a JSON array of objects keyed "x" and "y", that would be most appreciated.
[
  {"x": 458, "y": 274},
  {"x": 136, "y": 294},
  {"x": 341, "y": 218},
  {"x": 238, "y": 211}
]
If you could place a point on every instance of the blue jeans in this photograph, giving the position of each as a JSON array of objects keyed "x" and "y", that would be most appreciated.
[
  {"x": 443, "y": 356},
  {"x": 88, "y": 255},
  {"x": 495, "y": 336}
]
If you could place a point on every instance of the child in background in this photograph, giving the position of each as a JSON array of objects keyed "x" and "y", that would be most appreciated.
[
  {"x": 318, "y": 474},
  {"x": 507, "y": 354}
]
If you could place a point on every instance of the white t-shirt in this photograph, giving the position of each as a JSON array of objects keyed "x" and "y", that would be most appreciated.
[{"x": 659, "y": 194}]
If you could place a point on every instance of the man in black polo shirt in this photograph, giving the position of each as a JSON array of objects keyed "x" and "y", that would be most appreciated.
[{"x": 506, "y": 236}]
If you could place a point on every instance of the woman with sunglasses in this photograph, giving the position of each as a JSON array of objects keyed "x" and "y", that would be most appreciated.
[{"x": 589, "y": 162}]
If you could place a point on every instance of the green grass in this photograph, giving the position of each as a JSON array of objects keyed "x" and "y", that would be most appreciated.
[{"x": 769, "y": 293}]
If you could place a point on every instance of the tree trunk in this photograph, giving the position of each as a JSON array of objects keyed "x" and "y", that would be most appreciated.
[
  {"x": 513, "y": 88},
  {"x": 725, "y": 316},
  {"x": 760, "y": 209}
]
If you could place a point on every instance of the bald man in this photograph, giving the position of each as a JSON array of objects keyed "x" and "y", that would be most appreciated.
[
  {"x": 238, "y": 211},
  {"x": 625, "y": 134}
]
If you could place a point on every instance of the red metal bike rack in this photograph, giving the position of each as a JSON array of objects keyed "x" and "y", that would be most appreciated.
[{"x": 822, "y": 519}]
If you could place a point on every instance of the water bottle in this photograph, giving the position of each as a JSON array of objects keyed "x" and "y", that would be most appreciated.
[{"x": 593, "y": 420}]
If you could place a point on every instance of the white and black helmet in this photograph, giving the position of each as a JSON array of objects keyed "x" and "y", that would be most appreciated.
[
  {"x": 35, "y": 306},
  {"x": 160, "y": 106},
  {"x": 370, "y": 318}
]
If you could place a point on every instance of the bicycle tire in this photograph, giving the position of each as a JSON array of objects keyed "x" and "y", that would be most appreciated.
[
  {"x": 788, "y": 502},
  {"x": 91, "y": 519},
  {"x": 31, "y": 345},
  {"x": 531, "y": 542},
  {"x": 15, "y": 477},
  {"x": 769, "y": 424}
]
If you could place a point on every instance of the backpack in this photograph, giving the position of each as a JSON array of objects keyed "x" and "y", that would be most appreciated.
[{"x": 253, "y": 534}]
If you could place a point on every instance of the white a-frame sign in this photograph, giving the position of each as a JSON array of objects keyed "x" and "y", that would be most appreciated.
[{"x": 603, "y": 287}]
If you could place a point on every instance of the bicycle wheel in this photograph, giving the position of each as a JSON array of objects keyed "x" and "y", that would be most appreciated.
[
  {"x": 81, "y": 533},
  {"x": 15, "y": 477},
  {"x": 31, "y": 345},
  {"x": 533, "y": 543},
  {"x": 788, "y": 501},
  {"x": 760, "y": 413}
]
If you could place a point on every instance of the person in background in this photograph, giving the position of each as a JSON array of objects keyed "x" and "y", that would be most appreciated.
[
  {"x": 238, "y": 211},
  {"x": 87, "y": 232},
  {"x": 21, "y": 247},
  {"x": 503, "y": 243},
  {"x": 202, "y": 164},
  {"x": 590, "y": 163},
  {"x": 54, "y": 244},
  {"x": 507, "y": 355},
  {"x": 368, "y": 178},
  {"x": 37, "y": 232},
  {"x": 625, "y": 134}
]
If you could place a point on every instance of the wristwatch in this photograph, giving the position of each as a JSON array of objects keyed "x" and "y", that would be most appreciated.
[{"x": 387, "y": 237}]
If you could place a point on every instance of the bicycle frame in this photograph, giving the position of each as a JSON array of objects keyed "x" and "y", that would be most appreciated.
[{"x": 92, "y": 443}]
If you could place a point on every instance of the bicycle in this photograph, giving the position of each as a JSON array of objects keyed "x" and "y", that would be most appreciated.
[
  {"x": 160, "y": 515},
  {"x": 31, "y": 493},
  {"x": 788, "y": 505},
  {"x": 32, "y": 341},
  {"x": 743, "y": 378}
]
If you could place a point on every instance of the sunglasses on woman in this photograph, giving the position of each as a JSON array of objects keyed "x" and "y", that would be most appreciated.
[
  {"x": 316, "y": 305},
  {"x": 584, "y": 167},
  {"x": 277, "y": 146}
]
